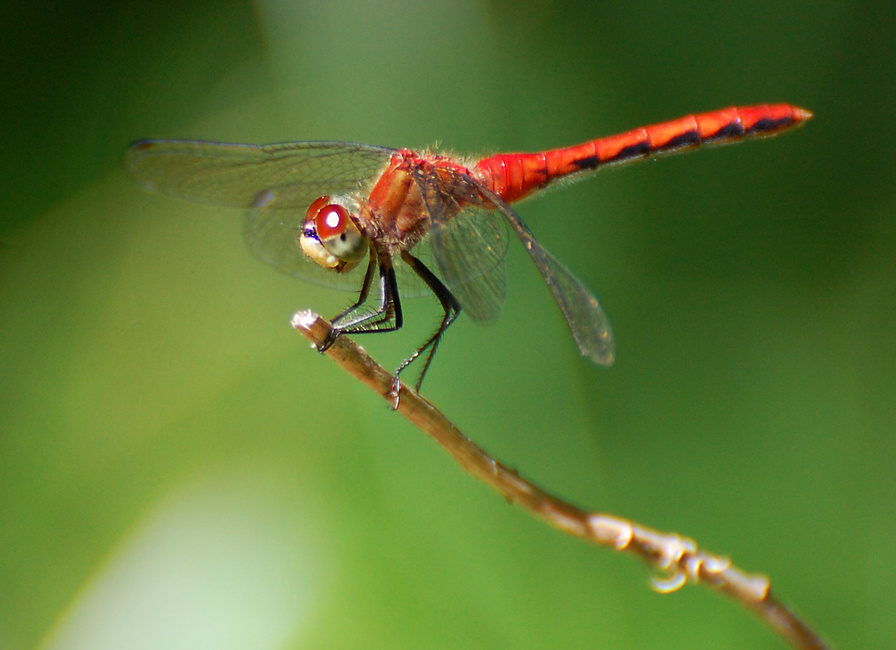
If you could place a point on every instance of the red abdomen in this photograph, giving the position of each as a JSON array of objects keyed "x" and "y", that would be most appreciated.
[{"x": 513, "y": 176}]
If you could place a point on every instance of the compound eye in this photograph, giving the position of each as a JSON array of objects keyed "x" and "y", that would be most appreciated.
[
  {"x": 330, "y": 236},
  {"x": 338, "y": 233}
]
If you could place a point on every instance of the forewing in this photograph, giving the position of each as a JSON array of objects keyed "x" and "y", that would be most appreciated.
[
  {"x": 235, "y": 174},
  {"x": 277, "y": 182}
]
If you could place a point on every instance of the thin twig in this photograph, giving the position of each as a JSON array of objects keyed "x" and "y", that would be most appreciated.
[{"x": 675, "y": 560}]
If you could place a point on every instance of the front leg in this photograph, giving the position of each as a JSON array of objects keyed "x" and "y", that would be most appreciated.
[{"x": 386, "y": 317}]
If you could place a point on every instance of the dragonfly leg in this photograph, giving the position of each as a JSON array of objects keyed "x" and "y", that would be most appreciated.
[
  {"x": 451, "y": 307},
  {"x": 365, "y": 287},
  {"x": 385, "y": 317},
  {"x": 338, "y": 320}
]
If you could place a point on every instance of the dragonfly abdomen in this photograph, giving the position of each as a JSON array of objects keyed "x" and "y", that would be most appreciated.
[{"x": 516, "y": 175}]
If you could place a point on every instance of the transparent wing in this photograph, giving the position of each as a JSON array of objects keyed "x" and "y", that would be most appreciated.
[
  {"x": 277, "y": 181},
  {"x": 235, "y": 174},
  {"x": 587, "y": 321},
  {"x": 469, "y": 254},
  {"x": 468, "y": 241}
]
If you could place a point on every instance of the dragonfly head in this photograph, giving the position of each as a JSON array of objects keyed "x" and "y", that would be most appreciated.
[{"x": 330, "y": 237}]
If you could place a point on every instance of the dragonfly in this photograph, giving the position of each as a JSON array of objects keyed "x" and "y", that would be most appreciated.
[{"x": 424, "y": 221}]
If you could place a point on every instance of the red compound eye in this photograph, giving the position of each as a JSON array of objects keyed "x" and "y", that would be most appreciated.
[
  {"x": 331, "y": 221},
  {"x": 314, "y": 208},
  {"x": 330, "y": 236}
]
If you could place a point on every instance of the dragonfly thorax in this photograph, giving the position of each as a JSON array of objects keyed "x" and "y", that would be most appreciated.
[{"x": 414, "y": 193}]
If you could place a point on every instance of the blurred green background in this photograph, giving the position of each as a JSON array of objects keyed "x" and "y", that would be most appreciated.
[{"x": 179, "y": 470}]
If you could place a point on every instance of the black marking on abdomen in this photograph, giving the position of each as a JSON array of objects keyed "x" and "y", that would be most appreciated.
[
  {"x": 733, "y": 130},
  {"x": 766, "y": 125},
  {"x": 631, "y": 151},
  {"x": 687, "y": 139},
  {"x": 588, "y": 162}
]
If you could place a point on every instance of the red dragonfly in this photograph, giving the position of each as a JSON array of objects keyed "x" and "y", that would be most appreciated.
[{"x": 424, "y": 221}]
